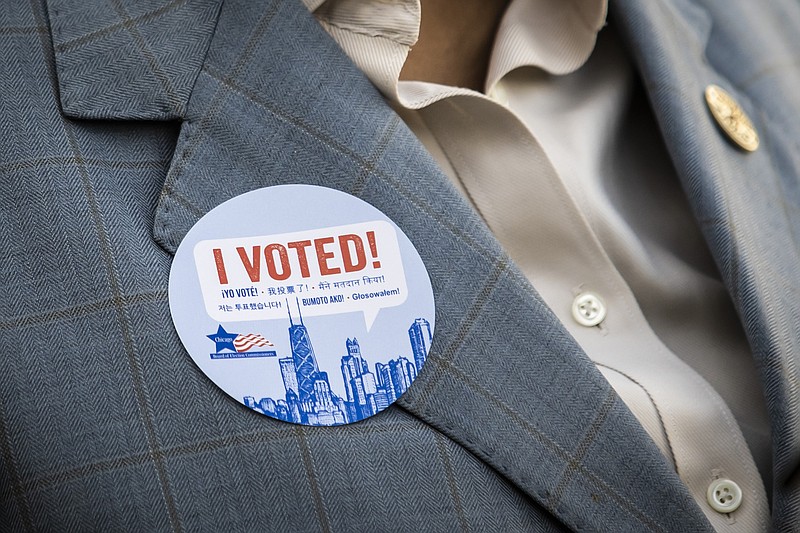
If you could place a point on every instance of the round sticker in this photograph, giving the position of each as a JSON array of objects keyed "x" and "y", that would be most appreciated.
[{"x": 304, "y": 303}]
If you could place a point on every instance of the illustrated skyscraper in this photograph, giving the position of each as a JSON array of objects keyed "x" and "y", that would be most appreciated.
[
  {"x": 289, "y": 374},
  {"x": 385, "y": 381},
  {"x": 403, "y": 374},
  {"x": 420, "y": 335},
  {"x": 360, "y": 384},
  {"x": 309, "y": 396},
  {"x": 317, "y": 403},
  {"x": 353, "y": 365},
  {"x": 305, "y": 362}
]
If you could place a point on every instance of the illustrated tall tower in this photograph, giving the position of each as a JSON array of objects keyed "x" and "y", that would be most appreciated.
[
  {"x": 353, "y": 365},
  {"x": 403, "y": 374},
  {"x": 354, "y": 350},
  {"x": 420, "y": 336},
  {"x": 350, "y": 370},
  {"x": 305, "y": 362},
  {"x": 289, "y": 374},
  {"x": 383, "y": 374}
]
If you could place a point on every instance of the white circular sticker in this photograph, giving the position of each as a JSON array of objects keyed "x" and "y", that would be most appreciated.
[{"x": 304, "y": 303}]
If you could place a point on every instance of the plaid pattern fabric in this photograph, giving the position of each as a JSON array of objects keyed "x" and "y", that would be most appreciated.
[
  {"x": 748, "y": 205},
  {"x": 105, "y": 422}
]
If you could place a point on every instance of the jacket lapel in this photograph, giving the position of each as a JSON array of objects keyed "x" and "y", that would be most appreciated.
[
  {"x": 747, "y": 203},
  {"x": 276, "y": 101}
]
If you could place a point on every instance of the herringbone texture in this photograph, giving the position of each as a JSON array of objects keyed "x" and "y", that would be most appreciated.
[{"x": 107, "y": 425}]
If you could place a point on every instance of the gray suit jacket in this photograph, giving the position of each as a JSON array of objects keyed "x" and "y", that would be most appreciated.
[{"x": 122, "y": 123}]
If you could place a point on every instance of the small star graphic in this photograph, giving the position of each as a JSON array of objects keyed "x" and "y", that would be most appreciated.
[{"x": 223, "y": 339}]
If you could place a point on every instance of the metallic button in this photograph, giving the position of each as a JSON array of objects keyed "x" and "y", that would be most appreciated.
[
  {"x": 588, "y": 309},
  {"x": 731, "y": 118},
  {"x": 724, "y": 496}
]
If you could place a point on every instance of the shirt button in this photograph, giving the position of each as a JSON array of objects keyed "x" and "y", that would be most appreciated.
[
  {"x": 724, "y": 496},
  {"x": 731, "y": 118},
  {"x": 588, "y": 309}
]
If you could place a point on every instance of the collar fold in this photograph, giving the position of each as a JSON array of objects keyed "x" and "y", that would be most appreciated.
[{"x": 556, "y": 36}]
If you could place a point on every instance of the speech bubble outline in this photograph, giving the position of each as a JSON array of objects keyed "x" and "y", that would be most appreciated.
[{"x": 328, "y": 271}]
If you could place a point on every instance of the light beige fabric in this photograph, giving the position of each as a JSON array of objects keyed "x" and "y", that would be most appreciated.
[{"x": 565, "y": 165}]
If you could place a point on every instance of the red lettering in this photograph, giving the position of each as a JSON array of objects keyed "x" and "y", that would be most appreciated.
[
  {"x": 347, "y": 257},
  {"x": 323, "y": 256},
  {"x": 300, "y": 248},
  {"x": 253, "y": 267},
  {"x": 373, "y": 248},
  {"x": 221, "y": 274},
  {"x": 283, "y": 257}
]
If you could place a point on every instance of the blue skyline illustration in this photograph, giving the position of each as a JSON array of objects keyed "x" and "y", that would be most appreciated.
[{"x": 309, "y": 398}]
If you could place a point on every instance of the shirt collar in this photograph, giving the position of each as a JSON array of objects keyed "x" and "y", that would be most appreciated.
[{"x": 556, "y": 36}]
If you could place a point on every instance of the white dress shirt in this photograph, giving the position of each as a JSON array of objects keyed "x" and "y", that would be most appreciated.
[{"x": 563, "y": 160}]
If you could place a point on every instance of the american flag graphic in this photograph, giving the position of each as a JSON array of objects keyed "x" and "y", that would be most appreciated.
[{"x": 242, "y": 343}]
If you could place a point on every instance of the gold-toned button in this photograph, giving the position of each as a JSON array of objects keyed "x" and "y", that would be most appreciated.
[{"x": 731, "y": 118}]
